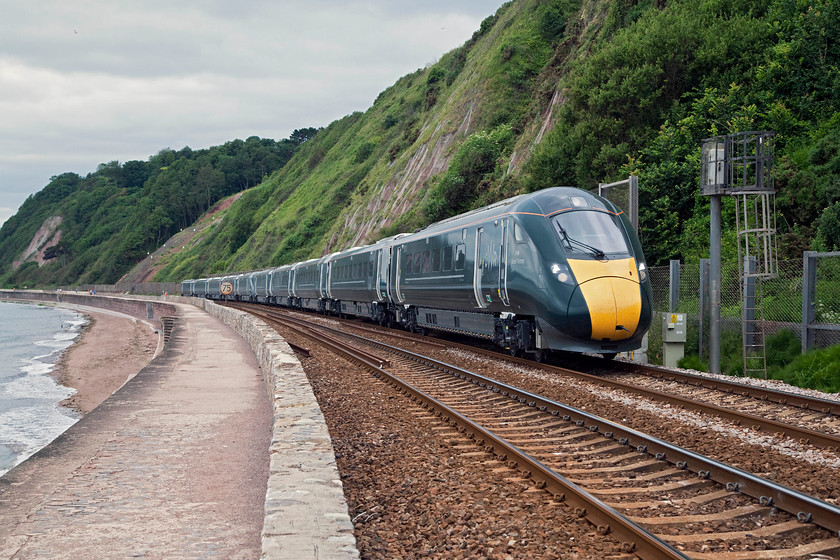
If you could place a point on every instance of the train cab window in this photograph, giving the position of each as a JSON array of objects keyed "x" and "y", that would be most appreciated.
[
  {"x": 408, "y": 260},
  {"x": 370, "y": 269},
  {"x": 460, "y": 256},
  {"x": 590, "y": 232},
  {"x": 518, "y": 236},
  {"x": 447, "y": 259}
]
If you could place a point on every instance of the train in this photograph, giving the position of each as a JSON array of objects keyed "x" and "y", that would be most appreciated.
[{"x": 559, "y": 269}]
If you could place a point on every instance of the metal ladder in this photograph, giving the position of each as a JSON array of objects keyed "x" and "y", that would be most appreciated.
[
  {"x": 752, "y": 323},
  {"x": 755, "y": 213}
]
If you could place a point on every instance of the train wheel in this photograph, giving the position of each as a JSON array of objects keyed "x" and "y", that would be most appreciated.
[
  {"x": 539, "y": 356},
  {"x": 514, "y": 351}
]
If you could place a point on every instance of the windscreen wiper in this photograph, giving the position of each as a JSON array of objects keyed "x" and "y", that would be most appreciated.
[{"x": 596, "y": 252}]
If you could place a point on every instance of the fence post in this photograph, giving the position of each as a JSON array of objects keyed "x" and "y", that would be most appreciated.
[
  {"x": 704, "y": 305},
  {"x": 809, "y": 295},
  {"x": 674, "y": 286}
]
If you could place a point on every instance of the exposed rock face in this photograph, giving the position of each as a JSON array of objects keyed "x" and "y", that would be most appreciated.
[
  {"x": 397, "y": 196},
  {"x": 48, "y": 235}
]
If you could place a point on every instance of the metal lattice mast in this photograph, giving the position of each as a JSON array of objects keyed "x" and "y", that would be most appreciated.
[{"x": 739, "y": 165}]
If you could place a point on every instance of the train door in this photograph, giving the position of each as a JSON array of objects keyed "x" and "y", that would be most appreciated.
[
  {"x": 489, "y": 273},
  {"x": 398, "y": 274},
  {"x": 323, "y": 280},
  {"x": 478, "y": 268},
  {"x": 293, "y": 282},
  {"x": 328, "y": 281},
  {"x": 503, "y": 293},
  {"x": 381, "y": 279}
]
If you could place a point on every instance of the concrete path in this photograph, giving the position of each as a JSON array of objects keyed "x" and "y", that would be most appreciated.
[{"x": 174, "y": 465}]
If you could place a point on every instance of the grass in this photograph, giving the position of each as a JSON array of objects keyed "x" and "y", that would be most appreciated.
[{"x": 818, "y": 369}]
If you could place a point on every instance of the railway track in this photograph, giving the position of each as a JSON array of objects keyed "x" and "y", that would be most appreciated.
[
  {"x": 663, "y": 502},
  {"x": 806, "y": 419}
]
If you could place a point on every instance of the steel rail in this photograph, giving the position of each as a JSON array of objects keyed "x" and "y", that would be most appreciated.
[
  {"x": 777, "y": 396},
  {"x": 768, "y": 425}
]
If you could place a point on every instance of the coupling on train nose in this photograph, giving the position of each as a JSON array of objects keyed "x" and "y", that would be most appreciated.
[{"x": 613, "y": 297}]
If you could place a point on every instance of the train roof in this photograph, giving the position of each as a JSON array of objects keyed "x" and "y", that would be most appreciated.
[{"x": 544, "y": 202}]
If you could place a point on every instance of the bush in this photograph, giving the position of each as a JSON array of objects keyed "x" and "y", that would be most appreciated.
[
  {"x": 818, "y": 370},
  {"x": 694, "y": 362}
]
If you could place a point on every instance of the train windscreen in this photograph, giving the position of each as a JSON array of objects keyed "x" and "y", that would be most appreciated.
[{"x": 590, "y": 232}]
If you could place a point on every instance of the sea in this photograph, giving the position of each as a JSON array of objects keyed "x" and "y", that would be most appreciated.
[{"x": 32, "y": 339}]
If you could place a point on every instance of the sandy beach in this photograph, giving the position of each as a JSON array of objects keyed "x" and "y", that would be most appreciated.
[{"x": 110, "y": 351}]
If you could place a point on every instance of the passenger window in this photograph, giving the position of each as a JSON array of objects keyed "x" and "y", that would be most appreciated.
[
  {"x": 518, "y": 236},
  {"x": 427, "y": 261},
  {"x": 460, "y": 256},
  {"x": 447, "y": 259},
  {"x": 418, "y": 263},
  {"x": 436, "y": 260}
]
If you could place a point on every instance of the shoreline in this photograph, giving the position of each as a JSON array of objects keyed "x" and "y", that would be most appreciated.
[{"x": 109, "y": 351}]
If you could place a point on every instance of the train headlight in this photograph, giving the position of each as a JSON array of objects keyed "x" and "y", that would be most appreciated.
[
  {"x": 562, "y": 273},
  {"x": 642, "y": 272}
]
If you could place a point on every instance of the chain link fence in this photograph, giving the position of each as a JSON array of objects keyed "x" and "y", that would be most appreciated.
[{"x": 780, "y": 298}]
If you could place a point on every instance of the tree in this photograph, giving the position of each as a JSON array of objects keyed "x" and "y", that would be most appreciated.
[{"x": 301, "y": 135}]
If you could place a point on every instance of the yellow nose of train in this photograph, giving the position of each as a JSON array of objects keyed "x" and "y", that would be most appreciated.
[{"x": 612, "y": 294}]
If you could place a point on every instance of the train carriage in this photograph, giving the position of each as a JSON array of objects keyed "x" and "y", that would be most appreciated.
[
  {"x": 307, "y": 286},
  {"x": 240, "y": 287},
  {"x": 187, "y": 288},
  {"x": 556, "y": 269},
  {"x": 280, "y": 286},
  {"x": 351, "y": 281},
  {"x": 200, "y": 288},
  {"x": 260, "y": 286},
  {"x": 214, "y": 287}
]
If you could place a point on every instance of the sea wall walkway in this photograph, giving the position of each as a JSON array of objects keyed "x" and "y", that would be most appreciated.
[{"x": 170, "y": 465}]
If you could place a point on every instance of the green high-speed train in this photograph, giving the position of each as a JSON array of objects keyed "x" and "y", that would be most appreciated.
[{"x": 557, "y": 269}]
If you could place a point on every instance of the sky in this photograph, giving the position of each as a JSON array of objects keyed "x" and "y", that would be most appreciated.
[{"x": 85, "y": 82}]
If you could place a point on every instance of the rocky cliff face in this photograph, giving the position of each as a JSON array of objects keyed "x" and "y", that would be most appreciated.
[{"x": 48, "y": 235}]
